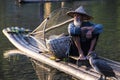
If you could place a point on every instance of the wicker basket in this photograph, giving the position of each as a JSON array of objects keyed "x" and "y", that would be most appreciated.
[{"x": 59, "y": 46}]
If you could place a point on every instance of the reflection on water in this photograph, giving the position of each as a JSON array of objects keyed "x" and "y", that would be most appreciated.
[
  {"x": 18, "y": 67},
  {"x": 30, "y": 15}
]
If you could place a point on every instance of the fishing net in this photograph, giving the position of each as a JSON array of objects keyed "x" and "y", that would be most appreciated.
[
  {"x": 56, "y": 23},
  {"x": 49, "y": 32}
]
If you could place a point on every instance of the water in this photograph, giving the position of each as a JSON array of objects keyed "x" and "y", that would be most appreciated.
[{"x": 30, "y": 16}]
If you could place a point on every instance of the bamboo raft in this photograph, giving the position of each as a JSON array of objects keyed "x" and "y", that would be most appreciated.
[{"x": 29, "y": 48}]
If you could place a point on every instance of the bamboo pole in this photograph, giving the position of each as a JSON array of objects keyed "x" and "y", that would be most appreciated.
[{"x": 52, "y": 27}]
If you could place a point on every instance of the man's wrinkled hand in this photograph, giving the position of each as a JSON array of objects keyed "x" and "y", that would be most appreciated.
[{"x": 89, "y": 34}]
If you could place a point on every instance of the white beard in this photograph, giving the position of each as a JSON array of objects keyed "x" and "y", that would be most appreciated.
[{"x": 77, "y": 23}]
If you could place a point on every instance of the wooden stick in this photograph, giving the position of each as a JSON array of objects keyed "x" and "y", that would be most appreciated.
[{"x": 54, "y": 26}]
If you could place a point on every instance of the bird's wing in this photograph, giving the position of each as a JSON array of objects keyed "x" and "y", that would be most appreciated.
[{"x": 103, "y": 67}]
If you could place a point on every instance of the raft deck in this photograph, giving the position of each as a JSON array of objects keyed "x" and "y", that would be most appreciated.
[{"x": 30, "y": 48}]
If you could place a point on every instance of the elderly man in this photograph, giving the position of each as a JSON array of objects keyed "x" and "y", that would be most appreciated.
[{"x": 83, "y": 32}]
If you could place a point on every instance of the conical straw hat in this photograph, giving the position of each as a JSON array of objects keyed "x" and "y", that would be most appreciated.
[{"x": 80, "y": 10}]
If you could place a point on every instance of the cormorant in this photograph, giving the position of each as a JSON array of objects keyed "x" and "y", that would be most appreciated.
[{"x": 101, "y": 67}]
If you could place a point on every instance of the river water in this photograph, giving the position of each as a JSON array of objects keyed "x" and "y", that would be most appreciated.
[{"x": 30, "y": 15}]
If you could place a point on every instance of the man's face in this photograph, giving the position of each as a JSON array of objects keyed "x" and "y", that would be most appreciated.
[
  {"x": 77, "y": 16},
  {"x": 77, "y": 20}
]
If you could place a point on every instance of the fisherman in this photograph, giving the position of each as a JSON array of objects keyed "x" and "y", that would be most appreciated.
[{"x": 84, "y": 33}]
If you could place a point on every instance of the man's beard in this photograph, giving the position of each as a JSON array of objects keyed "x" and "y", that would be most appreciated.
[{"x": 77, "y": 22}]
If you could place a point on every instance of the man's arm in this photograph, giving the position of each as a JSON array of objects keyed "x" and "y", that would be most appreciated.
[
  {"x": 76, "y": 39},
  {"x": 96, "y": 30},
  {"x": 75, "y": 32},
  {"x": 93, "y": 43}
]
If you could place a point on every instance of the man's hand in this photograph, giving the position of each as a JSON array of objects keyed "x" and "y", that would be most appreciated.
[
  {"x": 87, "y": 28},
  {"x": 81, "y": 56},
  {"x": 89, "y": 34},
  {"x": 83, "y": 28},
  {"x": 90, "y": 28}
]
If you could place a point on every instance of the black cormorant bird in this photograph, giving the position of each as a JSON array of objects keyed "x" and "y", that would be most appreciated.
[{"x": 101, "y": 67}]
